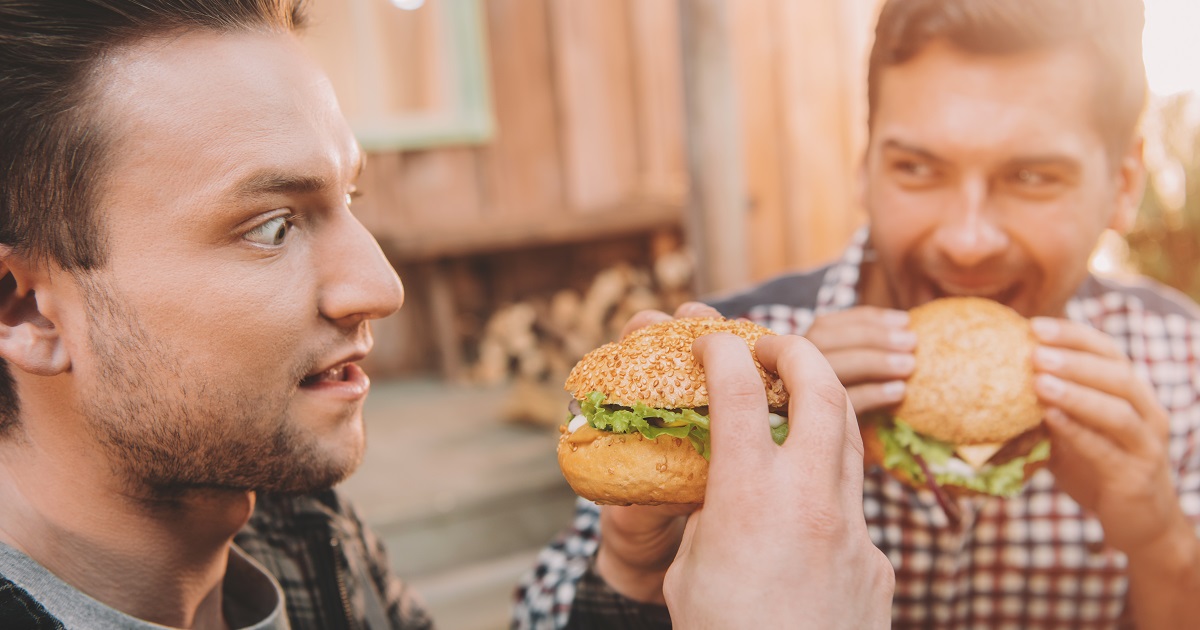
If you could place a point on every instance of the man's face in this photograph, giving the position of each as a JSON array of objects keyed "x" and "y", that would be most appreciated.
[
  {"x": 215, "y": 348},
  {"x": 986, "y": 176}
]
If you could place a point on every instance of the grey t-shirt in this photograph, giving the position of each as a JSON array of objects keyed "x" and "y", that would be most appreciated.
[{"x": 253, "y": 599}]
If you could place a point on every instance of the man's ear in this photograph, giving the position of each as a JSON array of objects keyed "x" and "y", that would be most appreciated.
[
  {"x": 28, "y": 340},
  {"x": 1131, "y": 183}
]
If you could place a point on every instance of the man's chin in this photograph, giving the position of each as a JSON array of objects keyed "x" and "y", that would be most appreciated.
[
  {"x": 308, "y": 482},
  {"x": 313, "y": 473},
  {"x": 288, "y": 468}
]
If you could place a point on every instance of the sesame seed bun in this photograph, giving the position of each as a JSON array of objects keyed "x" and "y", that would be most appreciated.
[
  {"x": 653, "y": 366},
  {"x": 973, "y": 380}
]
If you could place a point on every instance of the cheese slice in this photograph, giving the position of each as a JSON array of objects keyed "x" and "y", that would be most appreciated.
[{"x": 978, "y": 454}]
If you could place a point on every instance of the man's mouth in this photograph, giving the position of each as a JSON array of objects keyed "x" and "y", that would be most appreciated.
[
  {"x": 332, "y": 375},
  {"x": 1001, "y": 294}
]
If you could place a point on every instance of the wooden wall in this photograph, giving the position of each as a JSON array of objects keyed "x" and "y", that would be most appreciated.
[{"x": 589, "y": 145}]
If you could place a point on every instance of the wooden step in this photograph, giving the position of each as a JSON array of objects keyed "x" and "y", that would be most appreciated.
[{"x": 462, "y": 499}]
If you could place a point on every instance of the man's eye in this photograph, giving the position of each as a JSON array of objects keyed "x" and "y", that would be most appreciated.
[
  {"x": 273, "y": 232},
  {"x": 913, "y": 169},
  {"x": 1028, "y": 177}
]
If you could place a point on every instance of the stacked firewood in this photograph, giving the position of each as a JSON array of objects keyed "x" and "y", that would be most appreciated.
[{"x": 535, "y": 342}]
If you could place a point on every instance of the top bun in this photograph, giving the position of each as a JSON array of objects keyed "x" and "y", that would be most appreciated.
[
  {"x": 655, "y": 365},
  {"x": 973, "y": 380}
]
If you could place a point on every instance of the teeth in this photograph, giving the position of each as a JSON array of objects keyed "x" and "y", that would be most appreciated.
[{"x": 332, "y": 374}]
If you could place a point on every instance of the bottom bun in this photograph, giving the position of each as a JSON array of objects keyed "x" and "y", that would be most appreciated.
[{"x": 628, "y": 469}]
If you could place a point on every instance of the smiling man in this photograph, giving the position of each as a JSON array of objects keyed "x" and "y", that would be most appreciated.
[
  {"x": 1003, "y": 142},
  {"x": 184, "y": 296}
]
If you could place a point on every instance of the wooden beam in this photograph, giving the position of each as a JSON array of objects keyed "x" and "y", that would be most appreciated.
[
  {"x": 511, "y": 233},
  {"x": 716, "y": 220},
  {"x": 593, "y": 75}
]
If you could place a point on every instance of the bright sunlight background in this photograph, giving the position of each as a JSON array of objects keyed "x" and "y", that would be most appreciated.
[{"x": 1171, "y": 43}]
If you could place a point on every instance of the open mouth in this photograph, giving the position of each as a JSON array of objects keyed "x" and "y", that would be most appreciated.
[
  {"x": 1004, "y": 296},
  {"x": 334, "y": 374}
]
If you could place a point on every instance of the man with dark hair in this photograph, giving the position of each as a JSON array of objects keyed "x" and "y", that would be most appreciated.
[
  {"x": 184, "y": 293},
  {"x": 1002, "y": 143}
]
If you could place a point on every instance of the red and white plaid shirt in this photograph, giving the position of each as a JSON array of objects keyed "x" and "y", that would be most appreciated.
[{"x": 1036, "y": 560}]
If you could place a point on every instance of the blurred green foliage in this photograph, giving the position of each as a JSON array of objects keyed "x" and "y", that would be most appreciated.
[{"x": 1165, "y": 240}]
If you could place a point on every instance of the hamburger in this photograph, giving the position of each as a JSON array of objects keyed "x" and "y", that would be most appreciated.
[
  {"x": 970, "y": 422},
  {"x": 639, "y": 427}
]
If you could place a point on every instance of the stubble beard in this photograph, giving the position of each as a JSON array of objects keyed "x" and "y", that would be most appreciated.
[{"x": 168, "y": 434}]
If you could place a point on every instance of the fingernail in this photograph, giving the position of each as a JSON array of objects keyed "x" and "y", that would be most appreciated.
[
  {"x": 893, "y": 390},
  {"x": 1045, "y": 328},
  {"x": 895, "y": 319},
  {"x": 902, "y": 363},
  {"x": 1050, "y": 386},
  {"x": 1048, "y": 358},
  {"x": 903, "y": 339}
]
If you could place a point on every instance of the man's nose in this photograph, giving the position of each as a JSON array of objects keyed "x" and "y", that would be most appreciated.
[
  {"x": 970, "y": 232},
  {"x": 358, "y": 282}
]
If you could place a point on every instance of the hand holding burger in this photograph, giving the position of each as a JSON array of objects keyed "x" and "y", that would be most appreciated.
[
  {"x": 781, "y": 541},
  {"x": 641, "y": 431},
  {"x": 753, "y": 536},
  {"x": 970, "y": 421}
]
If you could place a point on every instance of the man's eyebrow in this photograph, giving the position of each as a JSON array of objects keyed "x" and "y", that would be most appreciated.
[
  {"x": 896, "y": 145},
  {"x": 1049, "y": 159},
  {"x": 269, "y": 182},
  {"x": 272, "y": 181}
]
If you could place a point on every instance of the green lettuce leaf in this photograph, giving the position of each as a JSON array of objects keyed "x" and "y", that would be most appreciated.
[
  {"x": 780, "y": 433},
  {"x": 680, "y": 423},
  {"x": 900, "y": 442}
]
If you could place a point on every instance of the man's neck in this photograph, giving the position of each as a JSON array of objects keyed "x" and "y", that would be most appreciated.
[
  {"x": 158, "y": 560},
  {"x": 872, "y": 286}
]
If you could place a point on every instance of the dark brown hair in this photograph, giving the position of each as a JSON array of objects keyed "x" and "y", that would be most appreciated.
[
  {"x": 1110, "y": 31},
  {"x": 52, "y": 142}
]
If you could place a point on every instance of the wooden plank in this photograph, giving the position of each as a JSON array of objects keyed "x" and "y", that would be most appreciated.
[
  {"x": 659, "y": 99},
  {"x": 755, "y": 57},
  {"x": 443, "y": 317},
  {"x": 404, "y": 340},
  {"x": 594, "y": 83},
  {"x": 486, "y": 236},
  {"x": 522, "y": 173},
  {"x": 717, "y": 204},
  {"x": 440, "y": 189},
  {"x": 819, "y": 192},
  {"x": 410, "y": 45},
  {"x": 381, "y": 207}
]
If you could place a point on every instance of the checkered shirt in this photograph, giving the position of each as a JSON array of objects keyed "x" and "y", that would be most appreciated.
[
  {"x": 1033, "y": 561},
  {"x": 333, "y": 570}
]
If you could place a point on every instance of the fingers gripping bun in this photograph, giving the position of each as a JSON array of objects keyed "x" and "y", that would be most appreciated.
[
  {"x": 973, "y": 380},
  {"x": 653, "y": 366}
]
